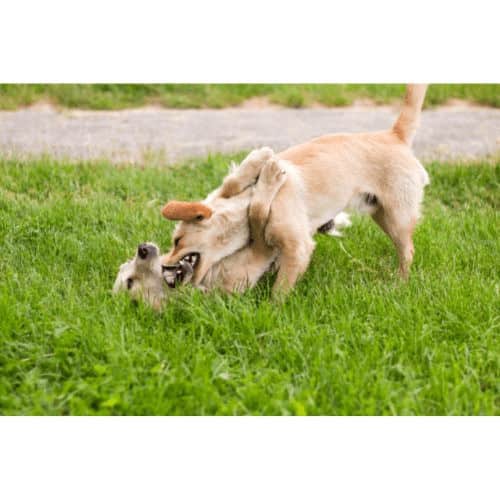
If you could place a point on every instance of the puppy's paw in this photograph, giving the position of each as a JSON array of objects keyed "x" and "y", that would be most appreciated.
[
  {"x": 246, "y": 173},
  {"x": 273, "y": 175},
  {"x": 342, "y": 220},
  {"x": 251, "y": 166},
  {"x": 260, "y": 155}
]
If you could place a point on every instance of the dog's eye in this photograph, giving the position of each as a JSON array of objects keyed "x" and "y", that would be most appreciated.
[
  {"x": 130, "y": 281},
  {"x": 199, "y": 217},
  {"x": 176, "y": 241}
]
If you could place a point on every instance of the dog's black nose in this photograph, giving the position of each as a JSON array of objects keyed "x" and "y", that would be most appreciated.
[{"x": 142, "y": 250}]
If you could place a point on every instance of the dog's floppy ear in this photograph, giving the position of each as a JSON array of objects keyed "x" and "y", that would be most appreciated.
[{"x": 186, "y": 210}]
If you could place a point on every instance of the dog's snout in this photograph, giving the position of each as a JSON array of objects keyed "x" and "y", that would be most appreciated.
[
  {"x": 142, "y": 250},
  {"x": 145, "y": 250}
]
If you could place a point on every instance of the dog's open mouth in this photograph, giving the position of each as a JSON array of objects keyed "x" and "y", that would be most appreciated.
[
  {"x": 191, "y": 258},
  {"x": 181, "y": 272}
]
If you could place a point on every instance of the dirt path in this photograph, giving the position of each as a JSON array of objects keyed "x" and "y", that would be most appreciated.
[{"x": 170, "y": 135}]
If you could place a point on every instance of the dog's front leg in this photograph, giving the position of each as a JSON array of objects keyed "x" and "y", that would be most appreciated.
[
  {"x": 288, "y": 231},
  {"x": 293, "y": 262}
]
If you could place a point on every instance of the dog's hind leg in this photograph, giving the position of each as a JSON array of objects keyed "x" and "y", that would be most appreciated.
[{"x": 400, "y": 229}]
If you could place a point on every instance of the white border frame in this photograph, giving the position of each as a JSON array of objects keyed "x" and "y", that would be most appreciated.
[
  {"x": 253, "y": 41},
  {"x": 281, "y": 457}
]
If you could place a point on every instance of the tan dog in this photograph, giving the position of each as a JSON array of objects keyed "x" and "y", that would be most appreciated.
[
  {"x": 243, "y": 267},
  {"x": 375, "y": 173},
  {"x": 144, "y": 277}
]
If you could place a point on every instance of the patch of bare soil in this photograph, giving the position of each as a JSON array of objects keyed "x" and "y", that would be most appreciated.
[
  {"x": 254, "y": 103},
  {"x": 258, "y": 103}
]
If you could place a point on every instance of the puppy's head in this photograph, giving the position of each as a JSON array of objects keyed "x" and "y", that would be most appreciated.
[
  {"x": 141, "y": 277},
  {"x": 207, "y": 233}
]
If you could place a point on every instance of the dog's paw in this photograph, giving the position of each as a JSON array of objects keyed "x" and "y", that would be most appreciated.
[{"x": 273, "y": 175}]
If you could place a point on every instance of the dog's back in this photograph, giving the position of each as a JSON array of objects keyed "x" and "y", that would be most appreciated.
[{"x": 336, "y": 168}]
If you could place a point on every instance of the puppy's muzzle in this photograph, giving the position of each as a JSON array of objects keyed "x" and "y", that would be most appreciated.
[{"x": 145, "y": 250}]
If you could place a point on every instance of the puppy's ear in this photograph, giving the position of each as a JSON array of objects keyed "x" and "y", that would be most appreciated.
[{"x": 188, "y": 211}]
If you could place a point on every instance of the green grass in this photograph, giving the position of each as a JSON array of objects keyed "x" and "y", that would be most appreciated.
[
  {"x": 351, "y": 339},
  {"x": 118, "y": 96}
]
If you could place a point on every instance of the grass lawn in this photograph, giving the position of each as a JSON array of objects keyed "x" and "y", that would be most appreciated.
[
  {"x": 351, "y": 339},
  {"x": 118, "y": 96}
]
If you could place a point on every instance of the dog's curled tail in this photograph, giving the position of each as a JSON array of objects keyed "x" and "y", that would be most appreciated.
[{"x": 408, "y": 120}]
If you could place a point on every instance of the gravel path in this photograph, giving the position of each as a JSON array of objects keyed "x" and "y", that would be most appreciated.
[{"x": 169, "y": 135}]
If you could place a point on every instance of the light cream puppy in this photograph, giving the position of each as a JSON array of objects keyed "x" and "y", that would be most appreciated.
[
  {"x": 375, "y": 173},
  {"x": 144, "y": 278}
]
